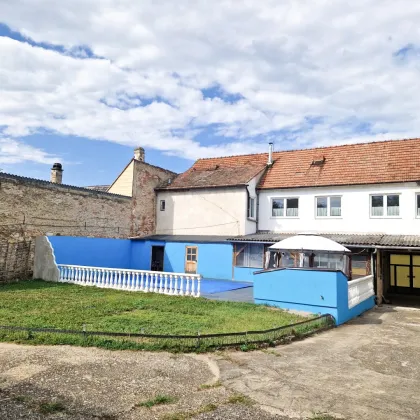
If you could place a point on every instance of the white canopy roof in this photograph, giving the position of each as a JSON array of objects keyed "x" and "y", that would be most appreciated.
[{"x": 308, "y": 242}]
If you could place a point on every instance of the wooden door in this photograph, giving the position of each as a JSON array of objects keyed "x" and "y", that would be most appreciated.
[{"x": 191, "y": 254}]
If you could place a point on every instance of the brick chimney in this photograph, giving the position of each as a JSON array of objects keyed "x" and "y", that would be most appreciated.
[
  {"x": 57, "y": 173},
  {"x": 139, "y": 154}
]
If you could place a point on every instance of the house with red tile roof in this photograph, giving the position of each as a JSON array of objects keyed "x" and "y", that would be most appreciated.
[{"x": 365, "y": 196}]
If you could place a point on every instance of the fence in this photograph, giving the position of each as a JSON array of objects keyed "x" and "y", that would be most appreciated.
[
  {"x": 135, "y": 280},
  {"x": 359, "y": 290},
  {"x": 15, "y": 260},
  {"x": 179, "y": 342}
]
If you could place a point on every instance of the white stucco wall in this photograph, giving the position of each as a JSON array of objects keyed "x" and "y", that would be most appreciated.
[
  {"x": 124, "y": 183},
  {"x": 251, "y": 224},
  {"x": 220, "y": 211},
  {"x": 355, "y": 208}
]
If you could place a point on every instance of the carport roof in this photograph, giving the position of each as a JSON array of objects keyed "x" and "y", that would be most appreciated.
[
  {"x": 350, "y": 239},
  {"x": 185, "y": 238}
]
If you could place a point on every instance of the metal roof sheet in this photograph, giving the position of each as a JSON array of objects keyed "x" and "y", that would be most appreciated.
[
  {"x": 355, "y": 239},
  {"x": 185, "y": 238}
]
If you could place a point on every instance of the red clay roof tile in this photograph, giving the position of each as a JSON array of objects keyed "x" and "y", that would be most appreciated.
[{"x": 353, "y": 164}]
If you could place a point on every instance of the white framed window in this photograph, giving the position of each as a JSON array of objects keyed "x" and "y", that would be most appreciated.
[
  {"x": 251, "y": 208},
  {"x": 285, "y": 207},
  {"x": 417, "y": 204},
  {"x": 162, "y": 205},
  {"x": 385, "y": 205},
  {"x": 328, "y": 206}
]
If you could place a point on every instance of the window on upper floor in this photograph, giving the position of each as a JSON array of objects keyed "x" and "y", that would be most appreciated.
[
  {"x": 418, "y": 205},
  {"x": 385, "y": 205},
  {"x": 249, "y": 255},
  {"x": 285, "y": 207},
  {"x": 251, "y": 208},
  {"x": 162, "y": 205},
  {"x": 328, "y": 206}
]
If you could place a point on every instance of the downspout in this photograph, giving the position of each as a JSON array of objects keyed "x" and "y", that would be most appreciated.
[{"x": 374, "y": 272}]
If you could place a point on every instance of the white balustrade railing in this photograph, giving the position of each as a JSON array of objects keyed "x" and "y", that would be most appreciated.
[
  {"x": 181, "y": 284},
  {"x": 360, "y": 290}
]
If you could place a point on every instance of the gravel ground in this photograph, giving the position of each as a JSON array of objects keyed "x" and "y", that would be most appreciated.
[{"x": 63, "y": 382}]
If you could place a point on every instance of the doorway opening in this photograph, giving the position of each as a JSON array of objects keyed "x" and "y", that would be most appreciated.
[{"x": 158, "y": 253}]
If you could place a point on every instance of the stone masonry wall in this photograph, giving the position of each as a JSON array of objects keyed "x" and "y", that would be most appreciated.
[
  {"x": 29, "y": 208},
  {"x": 145, "y": 179}
]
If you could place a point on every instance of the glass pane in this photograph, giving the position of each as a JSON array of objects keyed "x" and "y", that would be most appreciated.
[
  {"x": 189, "y": 258},
  {"x": 418, "y": 204},
  {"x": 403, "y": 276},
  {"x": 251, "y": 207},
  {"x": 393, "y": 205},
  {"x": 377, "y": 205},
  {"x": 335, "y": 206},
  {"x": 287, "y": 260},
  {"x": 240, "y": 258},
  {"x": 292, "y": 208},
  {"x": 321, "y": 206},
  {"x": 400, "y": 259},
  {"x": 377, "y": 200},
  {"x": 359, "y": 265},
  {"x": 416, "y": 277},
  {"x": 392, "y": 268},
  {"x": 278, "y": 207},
  {"x": 256, "y": 255},
  {"x": 416, "y": 259}
]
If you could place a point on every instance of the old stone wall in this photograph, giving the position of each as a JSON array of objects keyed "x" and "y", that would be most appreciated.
[
  {"x": 30, "y": 208},
  {"x": 145, "y": 179}
]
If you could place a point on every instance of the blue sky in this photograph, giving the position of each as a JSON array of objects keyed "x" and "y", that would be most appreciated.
[
  {"x": 88, "y": 162},
  {"x": 187, "y": 82}
]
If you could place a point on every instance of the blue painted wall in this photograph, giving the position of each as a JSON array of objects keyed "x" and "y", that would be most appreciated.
[
  {"x": 322, "y": 292},
  {"x": 214, "y": 259},
  {"x": 244, "y": 273},
  {"x": 141, "y": 253},
  {"x": 94, "y": 252}
]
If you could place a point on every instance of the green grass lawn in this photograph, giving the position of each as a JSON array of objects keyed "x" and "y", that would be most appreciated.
[{"x": 58, "y": 305}]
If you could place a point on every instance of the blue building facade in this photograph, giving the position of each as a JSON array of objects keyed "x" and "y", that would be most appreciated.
[
  {"x": 314, "y": 291},
  {"x": 214, "y": 257}
]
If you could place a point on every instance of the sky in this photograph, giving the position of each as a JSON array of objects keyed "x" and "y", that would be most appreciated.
[{"x": 84, "y": 82}]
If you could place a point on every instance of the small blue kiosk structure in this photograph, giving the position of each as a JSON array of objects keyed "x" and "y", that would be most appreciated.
[{"x": 309, "y": 273}]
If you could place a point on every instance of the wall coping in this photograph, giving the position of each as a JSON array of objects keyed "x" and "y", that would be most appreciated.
[{"x": 6, "y": 177}]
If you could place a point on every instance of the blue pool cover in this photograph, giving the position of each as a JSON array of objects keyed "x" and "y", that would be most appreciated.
[{"x": 210, "y": 286}]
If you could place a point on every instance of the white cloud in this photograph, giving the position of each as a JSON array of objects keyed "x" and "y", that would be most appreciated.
[
  {"x": 307, "y": 73},
  {"x": 13, "y": 151}
]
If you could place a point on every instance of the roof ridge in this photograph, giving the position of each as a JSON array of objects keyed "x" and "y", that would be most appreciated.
[
  {"x": 312, "y": 148},
  {"x": 336, "y": 146}
]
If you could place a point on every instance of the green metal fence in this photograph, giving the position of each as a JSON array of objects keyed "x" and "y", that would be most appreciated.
[{"x": 122, "y": 340}]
